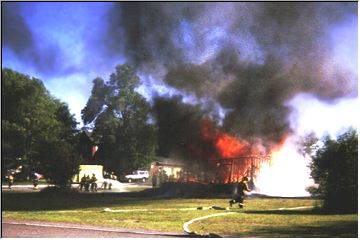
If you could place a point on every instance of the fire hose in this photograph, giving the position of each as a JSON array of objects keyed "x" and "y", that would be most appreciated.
[
  {"x": 166, "y": 209},
  {"x": 186, "y": 225}
]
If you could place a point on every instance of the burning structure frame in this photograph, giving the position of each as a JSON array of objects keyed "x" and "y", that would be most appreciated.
[{"x": 229, "y": 170}]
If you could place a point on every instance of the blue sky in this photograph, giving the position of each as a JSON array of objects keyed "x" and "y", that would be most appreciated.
[
  {"x": 71, "y": 30},
  {"x": 68, "y": 50}
]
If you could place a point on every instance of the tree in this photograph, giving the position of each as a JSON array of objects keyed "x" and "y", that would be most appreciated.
[
  {"x": 84, "y": 146},
  {"x": 32, "y": 120},
  {"x": 308, "y": 144},
  {"x": 335, "y": 168},
  {"x": 56, "y": 153},
  {"x": 59, "y": 162},
  {"x": 119, "y": 116},
  {"x": 21, "y": 124}
]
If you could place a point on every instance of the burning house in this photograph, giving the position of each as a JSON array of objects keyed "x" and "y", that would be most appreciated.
[
  {"x": 172, "y": 170},
  {"x": 209, "y": 155}
]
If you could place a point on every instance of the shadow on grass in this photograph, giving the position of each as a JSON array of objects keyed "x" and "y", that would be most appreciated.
[
  {"x": 43, "y": 201},
  {"x": 340, "y": 229},
  {"x": 36, "y": 201},
  {"x": 316, "y": 211},
  {"x": 40, "y": 201}
]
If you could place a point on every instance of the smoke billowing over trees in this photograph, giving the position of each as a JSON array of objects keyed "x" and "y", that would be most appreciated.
[{"x": 251, "y": 58}]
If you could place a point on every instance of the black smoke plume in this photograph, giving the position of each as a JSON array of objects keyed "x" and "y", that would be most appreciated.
[
  {"x": 265, "y": 54},
  {"x": 146, "y": 32},
  {"x": 179, "y": 127}
]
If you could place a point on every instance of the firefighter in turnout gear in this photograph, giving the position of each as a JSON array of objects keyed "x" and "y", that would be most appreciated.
[
  {"x": 93, "y": 183},
  {"x": 10, "y": 180},
  {"x": 87, "y": 183},
  {"x": 239, "y": 194},
  {"x": 82, "y": 182}
]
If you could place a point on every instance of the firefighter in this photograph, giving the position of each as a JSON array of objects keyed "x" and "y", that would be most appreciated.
[
  {"x": 35, "y": 180},
  {"x": 172, "y": 178},
  {"x": 153, "y": 179},
  {"x": 181, "y": 176},
  {"x": 10, "y": 180},
  {"x": 87, "y": 183},
  {"x": 93, "y": 183},
  {"x": 104, "y": 185},
  {"x": 82, "y": 182},
  {"x": 239, "y": 194},
  {"x": 164, "y": 177}
]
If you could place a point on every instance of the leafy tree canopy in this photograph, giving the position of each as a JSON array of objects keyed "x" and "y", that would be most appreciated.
[
  {"x": 31, "y": 119},
  {"x": 335, "y": 168},
  {"x": 119, "y": 118}
]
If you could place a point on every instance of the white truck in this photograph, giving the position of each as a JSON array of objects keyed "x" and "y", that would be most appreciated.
[{"x": 138, "y": 175}]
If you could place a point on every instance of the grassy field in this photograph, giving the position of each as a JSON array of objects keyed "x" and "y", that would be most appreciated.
[
  {"x": 294, "y": 223},
  {"x": 258, "y": 219}
]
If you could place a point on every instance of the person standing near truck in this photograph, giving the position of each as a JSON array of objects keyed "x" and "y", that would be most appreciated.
[
  {"x": 82, "y": 182},
  {"x": 93, "y": 183},
  {"x": 87, "y": 183}
]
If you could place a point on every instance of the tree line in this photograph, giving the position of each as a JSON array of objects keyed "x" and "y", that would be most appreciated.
[{"x": 40, "y": 134}]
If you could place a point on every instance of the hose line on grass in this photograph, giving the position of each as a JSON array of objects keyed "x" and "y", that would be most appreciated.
[
  {"x": 165, "y": 209},
  {"x": 187, "y": 224}
]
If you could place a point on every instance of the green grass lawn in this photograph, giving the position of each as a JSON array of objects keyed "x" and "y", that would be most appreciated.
[
  {"x": 256, "y": 220},
  {"x": 280, "y": 224}
]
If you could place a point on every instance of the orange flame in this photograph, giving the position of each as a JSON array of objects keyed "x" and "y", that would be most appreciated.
[
  {"x": 229, "y": 146},
  {"x": 235, "y": 157}
]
